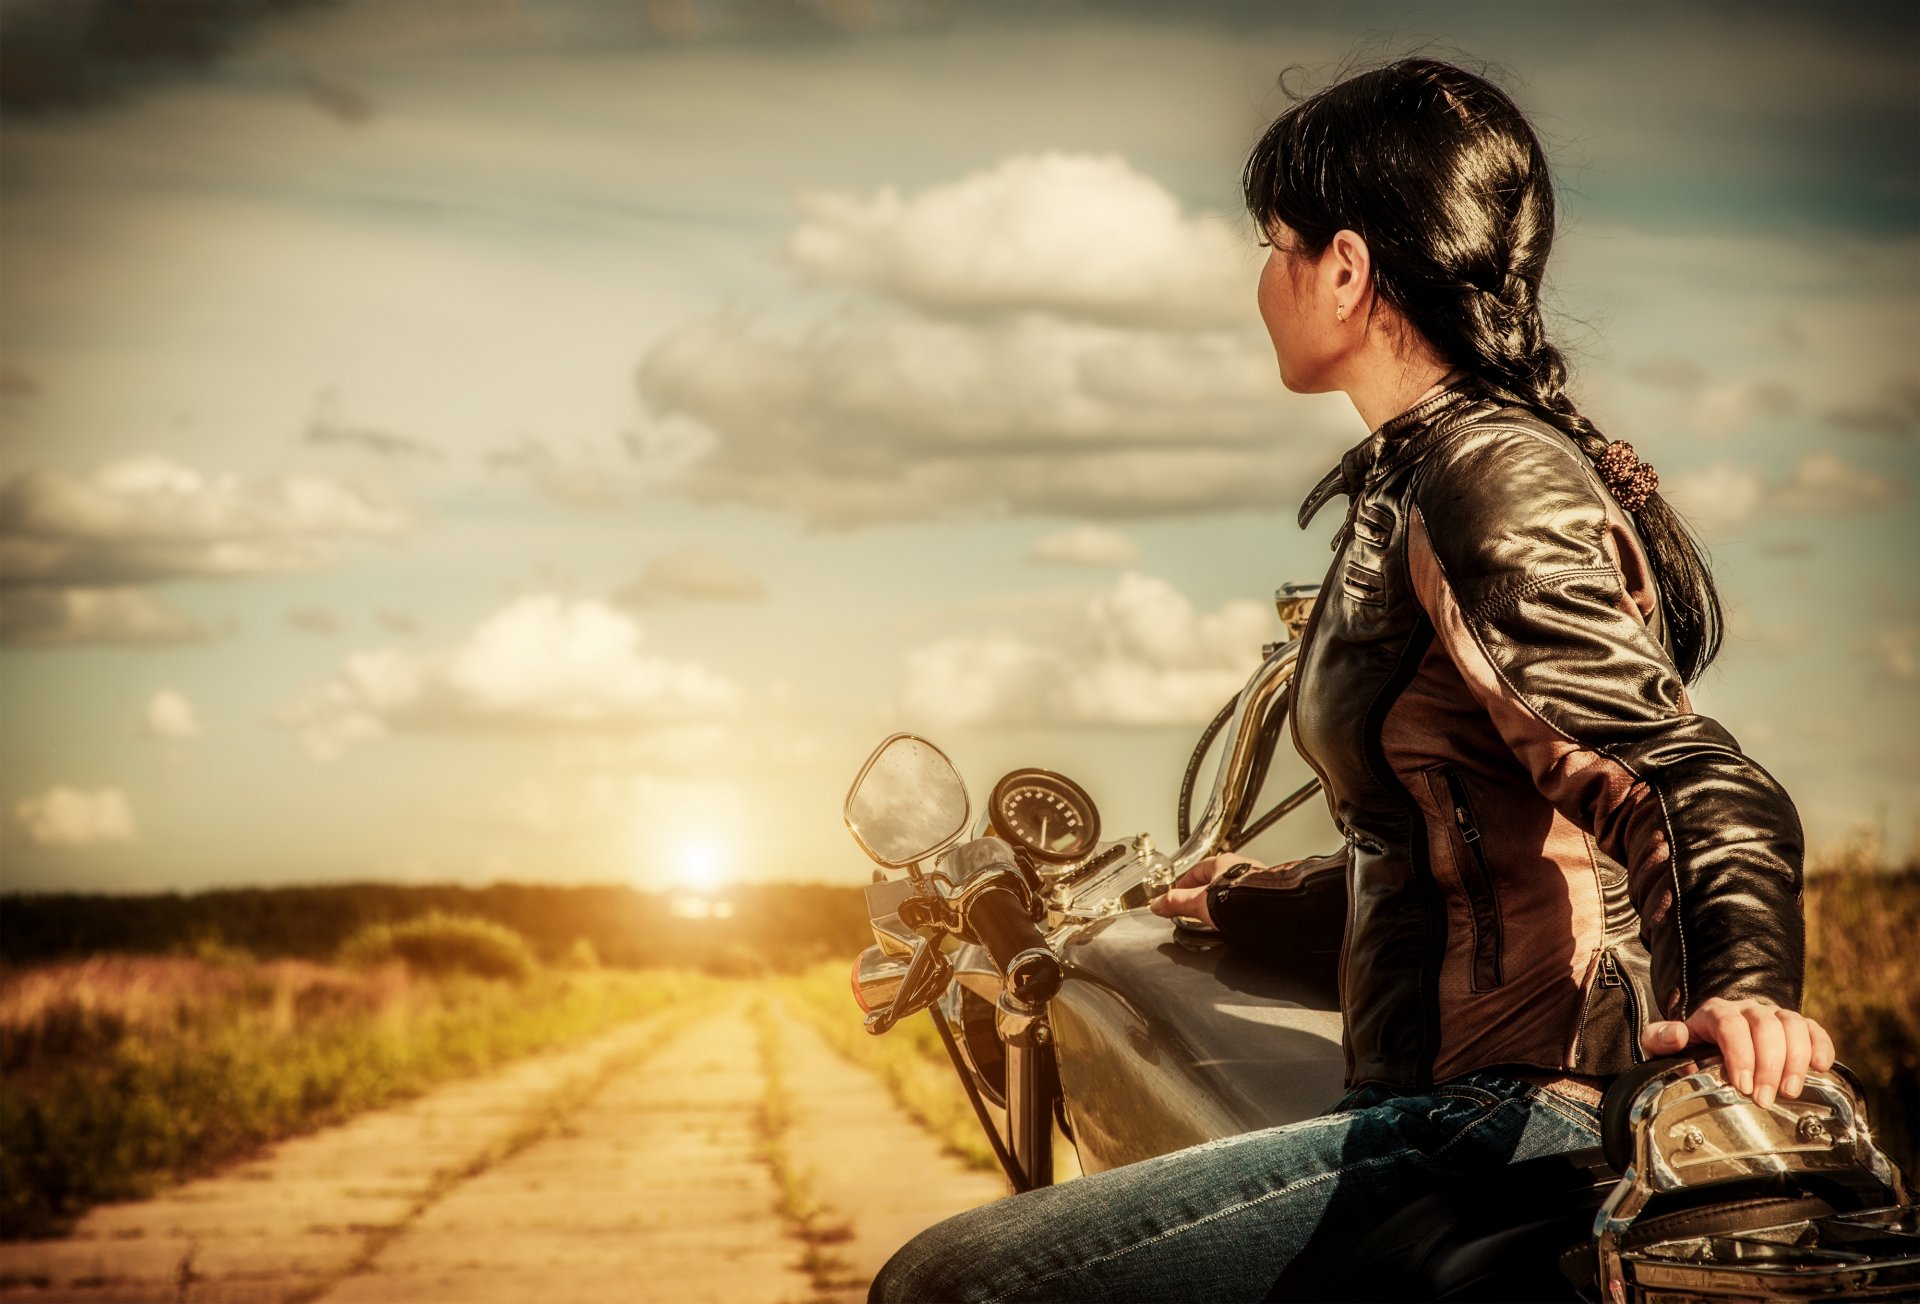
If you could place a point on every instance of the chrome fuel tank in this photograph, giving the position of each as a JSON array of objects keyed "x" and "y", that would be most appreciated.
[{"x": 1165, "y": 1040}]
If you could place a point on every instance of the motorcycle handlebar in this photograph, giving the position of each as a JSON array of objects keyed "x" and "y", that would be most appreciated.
[{"x": 1019, "y": 951}]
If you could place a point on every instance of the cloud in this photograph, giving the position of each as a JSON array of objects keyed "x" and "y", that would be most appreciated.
[
  {"x": 578, "y": 475},
  {"x": 1053, "y": 335},
  {"x": 1077, "y": 235},
  {"x": 329, "y": 428},
  {"x": 71, "y": 54},
  {"x": 541, "y": 663},
  {"x": 1894, "y": 413},
  {"x": 1719, "y": 498},
  {"x": 69, "y": 617},
  {"x": 1711, "y": 409},
  {"x": 1898, "y": 652},
  {"x": 692, "y": 574},
  {"x": 170, "y": 716},
  {"x": 70, "y": 817},
  {"x": 146, "y": 518},
  {"x": 336, "y": 100},
  {"x": 397, "y": 622},
  {"x": 1822, "y": 484},
  {"x": 1670, "y": 372},
  {"x": 1138, "y": 653},
  {"x": 313, "y": 620},
  {"x": 1083, "y": 545},
  {"x": 17, "y": 383},
  {"x": 878, "y": 415}
]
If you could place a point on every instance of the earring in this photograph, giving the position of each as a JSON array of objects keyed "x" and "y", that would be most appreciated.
[{"x": 1341, "y": 312}]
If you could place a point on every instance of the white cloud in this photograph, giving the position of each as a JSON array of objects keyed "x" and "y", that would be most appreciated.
[
  {"x": 581, "y": 473},
  {"x": 1719, "y": 498},
  {"x": 170, "y": 716},
  {"x": 874, "y": 415},
  {"x": 1898, "y": 651},
  {"x": 146, "y": 518},
  {"x": 1078, "y": 235},
  {"x": 693, "y": 574},
  {"x": 55, "y": 617},
  {"x": 1084, "y": 545},
  {"x": 1138, "y": 653},
  {"x": 70, "y": 817},
  {"x": 540, "y": 663},
  {"x": 1051, "y": 336}
]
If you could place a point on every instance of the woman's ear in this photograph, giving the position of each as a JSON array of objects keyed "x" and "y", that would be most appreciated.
[{"x": 1347, "y": 266}]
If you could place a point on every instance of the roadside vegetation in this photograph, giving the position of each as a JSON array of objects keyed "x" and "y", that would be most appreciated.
[
  {"x": 1863, "y": 983},
  {"x": 121, "y": 1072}
]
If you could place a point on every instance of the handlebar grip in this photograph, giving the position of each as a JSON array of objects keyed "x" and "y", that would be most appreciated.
[{"x": 1015, "y": 943}]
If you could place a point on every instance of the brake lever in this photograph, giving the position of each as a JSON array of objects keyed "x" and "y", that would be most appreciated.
[{"x": 927, "y": 976}]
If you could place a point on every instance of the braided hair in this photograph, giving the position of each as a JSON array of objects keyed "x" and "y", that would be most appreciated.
[{"x": 1442, "y": 175}]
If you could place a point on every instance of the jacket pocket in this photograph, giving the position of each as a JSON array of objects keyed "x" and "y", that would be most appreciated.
[
  {"x": 1611, "y": 1013},
  {"x": 1476, "y": 880}
]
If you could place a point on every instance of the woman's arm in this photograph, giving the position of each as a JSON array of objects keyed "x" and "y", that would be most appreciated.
[{"x": 1515, "y": 562}]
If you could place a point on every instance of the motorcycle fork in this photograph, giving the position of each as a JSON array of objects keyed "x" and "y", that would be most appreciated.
[{"x": 1032, "y": 1085}]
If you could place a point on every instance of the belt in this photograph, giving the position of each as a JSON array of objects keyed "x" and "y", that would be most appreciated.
[{"x": 1574, "y": 1086}]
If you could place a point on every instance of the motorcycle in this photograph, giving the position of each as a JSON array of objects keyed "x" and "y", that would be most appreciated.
[{"x": 1065, "y": 1005}]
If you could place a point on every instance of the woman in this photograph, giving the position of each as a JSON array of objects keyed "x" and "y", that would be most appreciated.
[{"x": 1554, "y": 867}]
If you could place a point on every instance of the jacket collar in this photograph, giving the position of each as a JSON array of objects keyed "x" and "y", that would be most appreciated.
[{"x": 1395, "y": 442}]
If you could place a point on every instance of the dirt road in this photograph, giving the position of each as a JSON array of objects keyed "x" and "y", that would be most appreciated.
[{"x": 643, "y": 1166}]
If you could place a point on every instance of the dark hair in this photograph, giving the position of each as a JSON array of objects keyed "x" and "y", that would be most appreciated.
[{"x": 1441, "y": 174}]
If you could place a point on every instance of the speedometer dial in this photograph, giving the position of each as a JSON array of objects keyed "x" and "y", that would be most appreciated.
[{"x": 1047, "y": 814}]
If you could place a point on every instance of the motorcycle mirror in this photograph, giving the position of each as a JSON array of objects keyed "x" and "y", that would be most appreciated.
[{"x": 907, "y": 802}]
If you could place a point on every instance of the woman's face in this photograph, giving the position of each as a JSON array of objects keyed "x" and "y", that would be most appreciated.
[
  {"x": 1299, "y": 314},
  {"x": 1287, "y": 304}
]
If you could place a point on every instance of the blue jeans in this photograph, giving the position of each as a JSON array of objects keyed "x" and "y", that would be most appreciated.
[{"x": 1223, "y": 1220}]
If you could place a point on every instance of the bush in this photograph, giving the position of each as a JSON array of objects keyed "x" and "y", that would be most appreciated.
[
  {"x": 581, "y": 956},
  {"x": 437, "y": 944}
]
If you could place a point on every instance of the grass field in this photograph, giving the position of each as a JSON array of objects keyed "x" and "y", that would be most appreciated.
[
  {"x": 1863, "y": 985},
  {"x": 118, "y": 1073}
]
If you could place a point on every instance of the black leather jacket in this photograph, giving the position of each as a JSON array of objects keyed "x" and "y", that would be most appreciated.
[{"x": 1546, "y": 847}]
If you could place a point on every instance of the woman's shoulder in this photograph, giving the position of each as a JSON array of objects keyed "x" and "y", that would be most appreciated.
[
  {"x": 1504, "y": 456},
  {"x": 1506, "y": 473}
]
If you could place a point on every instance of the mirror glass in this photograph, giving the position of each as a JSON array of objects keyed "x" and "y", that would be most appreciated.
[{"x": 908, "y": 802}]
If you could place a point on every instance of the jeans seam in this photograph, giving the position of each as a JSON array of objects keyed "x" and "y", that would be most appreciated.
[{"x": 1166, "y": 1232}]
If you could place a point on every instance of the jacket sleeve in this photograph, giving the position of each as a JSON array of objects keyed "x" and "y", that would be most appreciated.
[
  {"x": 1517, "y": 563},
  {"x": 1292, "y": 914}
]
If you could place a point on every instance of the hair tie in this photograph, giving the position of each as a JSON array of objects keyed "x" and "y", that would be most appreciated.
[{"x": 1631, "y": 480}]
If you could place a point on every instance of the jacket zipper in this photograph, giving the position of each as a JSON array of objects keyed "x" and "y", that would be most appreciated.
[
  {"x": 1610, "y": 976},
  {"x": 1478, "y": 882}
]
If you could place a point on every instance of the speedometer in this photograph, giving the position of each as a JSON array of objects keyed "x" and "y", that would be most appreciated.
[{"x": 1047, "y": 814}]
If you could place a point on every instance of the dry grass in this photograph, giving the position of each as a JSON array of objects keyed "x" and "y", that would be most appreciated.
[
  {"x": 119, "y": 1073},
  {"x": 1863, "y": 981},
  {"x": 812, "y": 1223}
]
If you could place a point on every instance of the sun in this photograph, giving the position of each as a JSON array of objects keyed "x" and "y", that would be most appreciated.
[{"x": 702, "y": 864}]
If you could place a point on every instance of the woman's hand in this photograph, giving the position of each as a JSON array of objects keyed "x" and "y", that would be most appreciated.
[
  {"x": 1766, "y": 1049},
  {"x": 1188, "y": 895}
]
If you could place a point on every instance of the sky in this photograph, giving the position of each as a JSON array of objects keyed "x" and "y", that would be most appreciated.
[{"x": 556, "y": 440}]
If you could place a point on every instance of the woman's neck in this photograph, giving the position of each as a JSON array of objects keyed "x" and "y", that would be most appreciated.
[{"x": 1381, "y": 398}]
